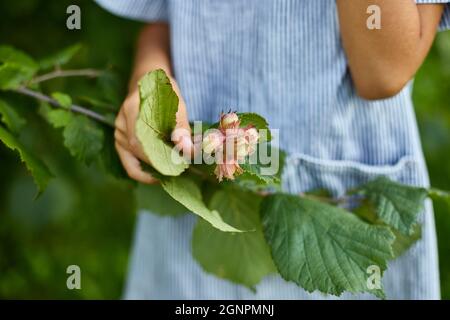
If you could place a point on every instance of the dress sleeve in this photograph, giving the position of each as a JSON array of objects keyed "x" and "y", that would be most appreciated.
[
  {"x": 445, "y": 22},
  {"x": 141, "y": 10}
]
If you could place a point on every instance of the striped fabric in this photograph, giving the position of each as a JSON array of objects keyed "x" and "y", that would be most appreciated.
[{"x": 284, "y": 60}]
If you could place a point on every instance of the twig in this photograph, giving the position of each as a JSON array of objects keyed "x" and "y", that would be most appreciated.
[
  {"x": 74, "y": 108},
  {"x": 58, "y": 73},
  {"x": 334, "y": 201}
]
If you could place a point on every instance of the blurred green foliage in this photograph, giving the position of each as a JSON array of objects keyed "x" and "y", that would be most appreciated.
[
  {"x": 87, "y": 218},
  {"x": 432, "y": 102}
]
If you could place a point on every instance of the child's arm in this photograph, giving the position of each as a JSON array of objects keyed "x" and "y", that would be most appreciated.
[
  {"x": 383, "y": 61},
  {"x": 153, "y": 52}
]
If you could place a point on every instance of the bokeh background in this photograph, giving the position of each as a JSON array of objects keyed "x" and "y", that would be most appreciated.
[{"x": 86, "y": 217}]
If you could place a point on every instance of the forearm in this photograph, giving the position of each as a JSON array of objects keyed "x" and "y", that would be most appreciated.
[
  {"x": 152, "y": 52},
  {"x": 385, "y": 59}
]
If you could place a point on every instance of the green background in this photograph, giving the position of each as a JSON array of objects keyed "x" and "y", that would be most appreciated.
[{"x": 86, "y": 217}]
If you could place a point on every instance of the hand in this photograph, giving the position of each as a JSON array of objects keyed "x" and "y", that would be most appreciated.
[{"x": 127, "y": 144}]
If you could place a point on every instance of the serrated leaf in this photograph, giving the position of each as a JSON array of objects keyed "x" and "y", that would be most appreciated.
[
  {"x": 83, "y": 138},
  {"x": 37, "y": 168},
  {"x": 256, "y": 177},
  {"x": 16, "y": 67},
  {"x": 11, "y": 77},
  {"x": 10, "y": 117},
  {"x": 396, "y": 204},
  {"x": 63, "y": 99},
  {"x": 322, "y": 247},
  {"x": 58, "y": 118},
  {"x": 61, "y": 57},
  {"x": 258, "y": 122},
  {"x": 403, "y": 242},
  {"x": 156, "y": 200},
  {"x": 157, "y": 119},
  {"x": 253, "y": 172},
  {"x": 17, "y": 57},
  {"x": 187, "y": 192},
  {"x": 242, "y": 258}
]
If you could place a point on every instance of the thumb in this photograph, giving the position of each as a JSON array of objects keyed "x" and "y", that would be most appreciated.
[{"x": 181, "y": 137}]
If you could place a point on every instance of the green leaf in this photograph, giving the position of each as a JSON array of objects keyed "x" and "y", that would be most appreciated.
[
  {"x": 11, "y": 77},
  {"x": 16, "y": 67},
  {"x": 63, "y": 99},
  {"x": 242, "y": 258},
  {"x": 163, "y": 157},
  {"x": 158, "y": 107},
  {"x": 404, "y": 242},
  {"x": 12, "y": 56},
  {"x": 10, "y": 117},
  {"x": 156, "y": 200},
  {"x": 258, "y": 122},
  {"x": 439, "y": 195},
  {"x": 84, "y": 138},
  {"x": 252, "y": 179},
  {"x": 61, "y": 57},
  {"x": 255, "y": 178},
  {"x": 322, "y": 247},
  {"x": 187, "y": 192},
  {"x": 159, "y": 102},
  {"x": 396, "y": 204},
  {"x": 37, "y": 168},
  {"x": 58, "y": 118}
]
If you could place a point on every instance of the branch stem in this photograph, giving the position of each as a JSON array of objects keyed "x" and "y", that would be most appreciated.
[
  {"x": 333, "y": 201},
  {"x": 74, "y": 108},
  {"x": 58, "y": 73}
]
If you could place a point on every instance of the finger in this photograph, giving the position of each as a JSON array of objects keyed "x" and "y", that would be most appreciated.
[
  {"x": 133, "y": 142},
  {"x": 131, "y": 112},
  {"x": 120, "y": 122},
  {"x": 121, "y": 136},
  {"x": 121, "y": 139},
  {"x": 182, "y": 116},
  {"x": 133, "y": 167},
  {"x": 183, "y": 141}
]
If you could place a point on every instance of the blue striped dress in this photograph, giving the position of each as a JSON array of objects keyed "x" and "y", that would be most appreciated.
[{"x": 284, "y": 60}]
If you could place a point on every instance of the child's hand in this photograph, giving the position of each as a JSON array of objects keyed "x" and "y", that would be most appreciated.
[{"x": 128, "y": 146}]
